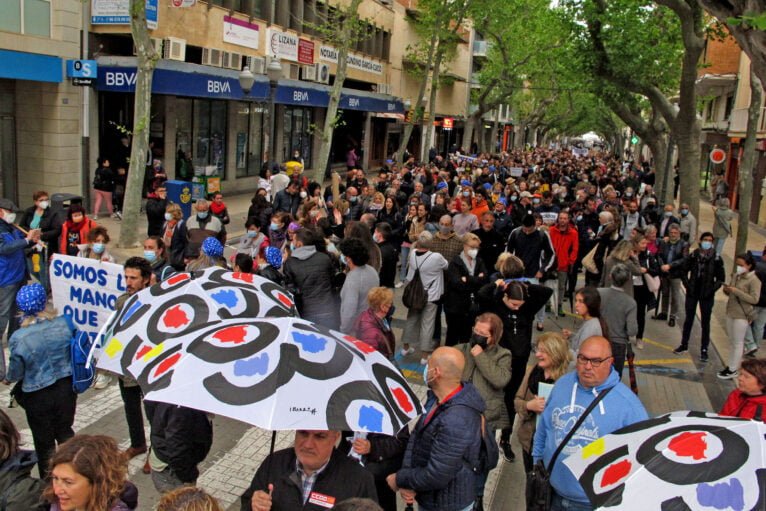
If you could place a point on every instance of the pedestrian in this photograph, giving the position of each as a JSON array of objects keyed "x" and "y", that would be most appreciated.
[
  {"x": 41, "y": 363},
  {"x": 373, "y": 325},
  {"x": 89, "y": 473},
  {"x": 743, "y": 292},
  {"x": 649, "y": 268},
  {"x": 188, "y": 498},
  {"x": 420, "y": 323},
  {"x": 722, "y": 224},
  {"x": 254, "y": 240},
  {"x": 566, "y": 246},
  {"x": 748, "y": 400},
  {"x": 406, "y": 246},
  {"x": 688, "y": 224},
  {"x": 175, "y": 236},
  {"x": 20, "y": 491},
  {"x": 210, "y": 256},
  {"x": 445, "y": 442},
  {"x": 154, "y": 252},
  {"x": 96, "y": 248},
  {"x": 75, "y": 230},
  {"x": 388, "y": 253},
  {"x": 277, "y": 232},
  {"x": 570, "y": 397},
  {"x": 269, "y": 263},
  {"x": 702, "y": 273},
  {"x": 672, "y": 249},
  {"x": 307, "y": 476},
  {"x": 201, "y": 225},
  {"x": 40, "y": 216},
  {"x": 360, "y": 278},
  {"x": 754, "y": 334},
  {"x": 103, "y": 188},
  {"x": 619, "y": 312},
  {"x": 588, "y": 306},
  {"x": 219, "y": 210},
  {"x": 465, "y": 221},
  {"x": 466, "y": 274},
  {"x": 553, "y": 357},
  {"x": 156, "y": 205},
  {"x": 492, "y": 241}
]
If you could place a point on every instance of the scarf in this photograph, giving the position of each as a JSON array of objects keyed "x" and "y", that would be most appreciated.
[
  {"x": 216, "y": 208},
  {"x": 73, "y": 227},
  {"x": 536, "y": 377}
]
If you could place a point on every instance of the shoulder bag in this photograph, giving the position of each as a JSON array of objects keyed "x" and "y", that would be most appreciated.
[{"x": 539, "y": 491}]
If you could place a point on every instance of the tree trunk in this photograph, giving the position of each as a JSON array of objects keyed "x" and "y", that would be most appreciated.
[
  {"x": 330, "y": 119},
  {"x": 659, "y": 147},
  {"x": 432, "y": 103},
  {"x": 746, "y": 175},
  {"x": 147, "y": 61}
]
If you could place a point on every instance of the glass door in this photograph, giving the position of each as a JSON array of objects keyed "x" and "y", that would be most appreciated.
[{"x": 8, "y": 182}]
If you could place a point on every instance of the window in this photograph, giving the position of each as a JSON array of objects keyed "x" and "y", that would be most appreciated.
[
  {"x": 209, "y": 134},
  {"x": 249, "y": 138},
  {"x": 30, "y": 17},
  {"x": 729, "y": 107},
  {"x": 297, "y": 134}
]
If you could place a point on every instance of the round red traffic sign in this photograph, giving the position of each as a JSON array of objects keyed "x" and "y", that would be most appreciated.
[{"x": 717, "y": 155}]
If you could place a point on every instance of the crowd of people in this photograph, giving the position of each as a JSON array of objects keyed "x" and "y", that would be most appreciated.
[{"x": 489, "y": 244}]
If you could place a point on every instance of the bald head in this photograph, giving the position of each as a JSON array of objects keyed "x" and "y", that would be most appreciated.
[
  {"x": 597, "y": 343},
  {"x": 450, "y": 363},
  {"x": 594, "y": 361}
]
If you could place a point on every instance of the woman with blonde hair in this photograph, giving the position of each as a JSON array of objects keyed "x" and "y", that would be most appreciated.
[
  {"x": 188, "y": 498},
  {"x": 175, "y": 236},
  {"x": 553, "y": 358},
  {"x": 623, "y": 253},
  {"x": 90, "y": 473}
]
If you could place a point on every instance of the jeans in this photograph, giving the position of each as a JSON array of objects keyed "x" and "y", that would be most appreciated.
[
  {"x": 404, "y": 258},
  {"x": 559, "y": 503},
  {"x": 50, "y": 415},
  {"x": 131, "y": 397},
  {"x": 736, "y": 329},
  {"x": 642, "y": 295},
  {"x": 8, "y": 312},
  {"x": 671, "y": 297},
  {"x": 101, "y": 197},
  {"x": 437, "y": 334},
  {"x": 563, "y": 277},
  {"x": 754, "y": 334},
  {"x": 540, "y": 315},
  {"x": 619, "y": 352},
  {"x": 690, "y": 309},
  {"x": 419, "y": 328},
  {"x": 719, "y": 242}
]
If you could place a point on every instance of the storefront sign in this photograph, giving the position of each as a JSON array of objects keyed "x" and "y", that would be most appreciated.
[
  {"x": 183, "y": 3},
  {"x": 240, "y": 32},
  {"x": 302, "y": 96},
  {"x": 330, "y": 54},
  {"x": 179, "y": 83},
  {"x": 86, "y": 290},
  {"x": 448, "y": 123},
  {"x": 117, "y": 12},
  {"x": 305, "y": 51},
  {"x": 18, "y": 65},
  {"x": 283, "y": 45}
]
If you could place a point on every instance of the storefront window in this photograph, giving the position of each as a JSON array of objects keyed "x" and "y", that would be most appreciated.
[
  {"x": 297, "y": 134},
  {"x": 209, "y": 129},
  {"x": 249, "y": 138}
]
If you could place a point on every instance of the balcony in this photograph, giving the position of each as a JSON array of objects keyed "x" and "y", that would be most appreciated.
[{"x": 480, "y": 48}]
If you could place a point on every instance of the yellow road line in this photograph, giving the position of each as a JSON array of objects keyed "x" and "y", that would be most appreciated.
[
  {"x": 658, "y": 344},
  {"x": 662, "y": 361}
]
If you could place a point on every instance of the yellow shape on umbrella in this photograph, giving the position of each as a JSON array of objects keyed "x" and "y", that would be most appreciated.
[
  {"x": 153, "y": 352},
  {"x": 113, "y": 347},
  {"x": 594, "y": 448}
]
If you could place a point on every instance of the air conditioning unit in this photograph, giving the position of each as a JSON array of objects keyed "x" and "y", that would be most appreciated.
[
  {"x": 157, "y": 47},
  {"x": 256, "y": 65},
  {"x": 323, "y": 73},
  {"x": 384, "y": 88},
  {"x": 174, "y": 49},
  {"x": 232, "y": 60},
  {"x": 212, "y": 57},
  {"x": 292, "y": 71},
  {"x": 309, "y": 73}
]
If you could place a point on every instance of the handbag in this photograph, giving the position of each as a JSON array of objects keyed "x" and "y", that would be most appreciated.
[
  {"x": 539, "y": 491},
  {"x": 589, "y": 261},
  {"x": 652, "y": 283}
]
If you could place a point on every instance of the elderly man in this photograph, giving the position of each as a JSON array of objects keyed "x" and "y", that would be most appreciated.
[
  {"x": 570, "y": 397},
  {"x": 445, "y": 442},
  {"x": 670, "y": 250},
  {"x": 688, "y": 223},
  {"x": 312, "y": 475},
  {"x": 200, "y": 226},
  {"x": 619, "y": 311}
]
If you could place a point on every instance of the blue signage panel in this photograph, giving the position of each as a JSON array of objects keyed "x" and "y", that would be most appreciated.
[
  {"x": 301, "y": 96},
  {"x": 31, "y": 66},
  {"x": 81, "y": 69},
  {"x": 368, "y": 104},
  {"x": 179, "y": 83}
]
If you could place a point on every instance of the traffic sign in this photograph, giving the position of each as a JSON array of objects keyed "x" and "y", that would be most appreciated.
[{"x": 717, "y": 155}]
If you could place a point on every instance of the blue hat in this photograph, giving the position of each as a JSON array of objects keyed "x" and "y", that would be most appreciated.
[
  {"x": 465, "y": 182},
  {"x": 492, "y": 168},
  {"x": 503, "y": 201},
  {"x": 487, "y": 186},
  {"x": 31, "y": 299},
  {"x": 441, "y": 186},
  {"x": 211, "y": 247},
  {"x": 273, "y": 257}
]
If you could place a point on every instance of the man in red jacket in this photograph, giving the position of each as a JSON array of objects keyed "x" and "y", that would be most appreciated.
[{"x": 565, "y": 241}]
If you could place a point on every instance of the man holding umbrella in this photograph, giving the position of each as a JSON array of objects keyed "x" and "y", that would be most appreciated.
[{"x": 312, "y": 475}]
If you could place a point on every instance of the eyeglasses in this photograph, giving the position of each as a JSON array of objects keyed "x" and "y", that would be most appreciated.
[{"x": 595, "y": 362}]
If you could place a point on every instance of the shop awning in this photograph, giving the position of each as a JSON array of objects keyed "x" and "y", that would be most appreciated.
[
  {"x": 118, "y": 74},
  {"x": 294, "y": 92},
  {"x": 31, "y": 66}
]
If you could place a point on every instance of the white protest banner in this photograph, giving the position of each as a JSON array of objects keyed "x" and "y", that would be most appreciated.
[
  {"x": 517, "y": 171},
  {"x": 85, "y": 289}
]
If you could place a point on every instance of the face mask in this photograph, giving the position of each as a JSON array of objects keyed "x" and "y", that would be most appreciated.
[
  {"x": 44, "y": 204},
  {"x": 99, "y": 248},
  {"x": 149, "y": 255},
  {"x": 472, "y": 252},
  {"x": 343, "y": 260},
  {"x": 514, "y": 198},
  {"x": 352, "y": 199},
  {"x": 443, "y": 229},
  {"x": 706, "y": 245},
  {"x": 292, "y": 246},
  {"x": 390, "y": 313},
  {"x": 252, "y": 234},
  {"x": 535, "y": 201},
  {"x": 425, "y": 376},
  {"x": 376, "y": 238},
  {"x": 273, "y": 226},
  {"x": 668, "y": 214},
  {"x": 628, "y": 195},
  {"x": 466, "y": 194},
  {"x": 684, "y": 212},
  {"x": 578, "y": 218},
  {"x": 10, "y": 218},
  {"x": 479, "y": 340},
  {"x": 202, "y": 215},
  {"x": 168, "y": 217},
  {"x": 304, "y": 195},
  {"x": 741, "y": 270}
]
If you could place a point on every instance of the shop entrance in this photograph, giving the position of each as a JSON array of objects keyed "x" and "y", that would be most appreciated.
[
  {"x": 349, "y": 133},
  {"x": 9, "y": 181}
]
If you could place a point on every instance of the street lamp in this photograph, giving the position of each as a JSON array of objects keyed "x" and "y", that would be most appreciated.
[
  {"x": 246, "y": 80},
  {"x": 274, "y": 72}
]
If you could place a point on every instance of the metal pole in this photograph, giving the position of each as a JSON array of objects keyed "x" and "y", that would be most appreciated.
[{"x": 273, "y": 121}]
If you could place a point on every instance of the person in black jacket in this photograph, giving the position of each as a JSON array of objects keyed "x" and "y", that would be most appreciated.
[
  {"x": 287, "y": 480},
  {"x": 40, "y": 216},
  {"x": 103, "y": 188},
  {"x": 388, "y": 254},
  {"x": 156, "y": 204},
  {"x": 390, "y": 215},
  {"x": 492, "y": 240},
  {"x": 466, "y": 273},
  {"x": 516, "y": 302},
  {"x": 702, "y": 272},
  {"x": 754, "y": 334},
  {"x": 181, "y": 439},
  {"x": 288, "y": 200}
]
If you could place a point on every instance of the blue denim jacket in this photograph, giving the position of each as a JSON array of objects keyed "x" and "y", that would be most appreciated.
[{"x": 40, "y": 353}]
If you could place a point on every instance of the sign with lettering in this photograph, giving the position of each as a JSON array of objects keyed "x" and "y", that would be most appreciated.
[
  {"x": 240, "y": 32},
  {"x": 283, "y": 45},
  {"x": 305, "y": 51},
  {"x": 117, "y": 12},
  {"x": 448, "y": 123},
  {"x": 330, "y": 54},
  {"x": 86, "y": 290}
]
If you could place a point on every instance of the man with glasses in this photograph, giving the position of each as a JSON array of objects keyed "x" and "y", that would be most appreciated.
[{"x": 570, "y": 397}]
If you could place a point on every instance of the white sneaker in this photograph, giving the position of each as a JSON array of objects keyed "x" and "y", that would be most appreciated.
[
  {"x": 640, "y": 343},
  {"x": 94, "y": 217},
  {"x": 117, "y": 215},
  {"x": 408, "y": 351},
  {"x": 398, "y": 284},
  {"x": 102, "y": 381}
]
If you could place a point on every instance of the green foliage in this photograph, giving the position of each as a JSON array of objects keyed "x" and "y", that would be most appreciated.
[{"x": 755, "y": 21}]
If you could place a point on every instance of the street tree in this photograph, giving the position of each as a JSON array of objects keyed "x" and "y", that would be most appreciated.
[
  {"x": 147, "y": 60},
  {"x": 747, "y": 166}
]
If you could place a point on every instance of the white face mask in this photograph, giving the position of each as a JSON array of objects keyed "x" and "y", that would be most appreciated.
[
  {"x": 472, "y": 252},
  {"x": 44, "y": 204},
  {"x": 304, "y": 195},
  {"x": 741, "y": 270},
  {"x": 10, "y": 218}
]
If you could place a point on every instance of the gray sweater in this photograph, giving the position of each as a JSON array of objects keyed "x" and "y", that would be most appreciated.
[
  {"x": 587, "y": 329},
  {"x": 619, "y": 312},
  {"x": 353, "y": 295}
]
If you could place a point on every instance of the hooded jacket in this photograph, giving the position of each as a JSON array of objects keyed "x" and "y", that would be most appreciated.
[
  {"x": 308, "y": 274},
  {"x": 439, "y": 454},
  {"x": 568, "y": 400},
  {"x": 741, "y": 405},
  {"x": 19, "y": 490},
  {"x": 13, "y": 265}
]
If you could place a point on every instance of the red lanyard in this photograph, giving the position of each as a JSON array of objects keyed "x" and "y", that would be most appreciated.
[{"x": 433, "y": 408}]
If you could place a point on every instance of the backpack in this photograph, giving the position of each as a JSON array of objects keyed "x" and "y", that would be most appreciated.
[
  {"x": 415, "y": 296},
  {"x": 82, "y": 377},
  {"x": 489, "y": 453}
]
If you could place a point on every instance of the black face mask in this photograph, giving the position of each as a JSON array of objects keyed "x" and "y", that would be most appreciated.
[
  {"x": 390, "y": 313},
  {"x": 479, "y": 340}
]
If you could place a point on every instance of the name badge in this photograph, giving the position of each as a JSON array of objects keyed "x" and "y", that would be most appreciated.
[{"x": 321, "y": 499}]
